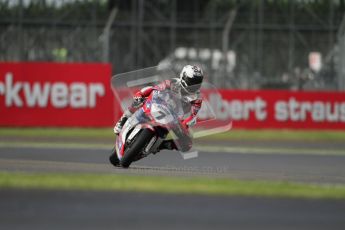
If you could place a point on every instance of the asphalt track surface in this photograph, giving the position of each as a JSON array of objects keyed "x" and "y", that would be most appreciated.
[
  {"x": 297, "y": 168},
  {"x": 32, "y": 209},
  {"x": 35, "y": 209}
]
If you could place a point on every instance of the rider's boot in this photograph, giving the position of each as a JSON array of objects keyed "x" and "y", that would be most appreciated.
[
  {"x": 168, "y": 144},
  {"x": 171, "y": 145},
  {"x": 120, "y": 123}
]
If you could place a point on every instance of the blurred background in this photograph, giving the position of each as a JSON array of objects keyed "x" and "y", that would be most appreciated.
[
  {"x": 279, "y": 66},
  {"x": 242, "y": 44}
]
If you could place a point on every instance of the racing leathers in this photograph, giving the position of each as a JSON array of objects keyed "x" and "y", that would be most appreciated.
[{"x": 191, "y": 103}]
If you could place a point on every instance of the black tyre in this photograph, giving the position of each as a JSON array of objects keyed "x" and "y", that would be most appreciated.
[
  {"x": 114, "y": 160},
  {"x": 136, "y": 147}
]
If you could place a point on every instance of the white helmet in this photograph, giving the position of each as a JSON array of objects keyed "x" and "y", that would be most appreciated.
[{"x": 191, "y": 78}]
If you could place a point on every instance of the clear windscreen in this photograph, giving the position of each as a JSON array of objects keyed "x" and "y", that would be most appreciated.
[{"x": 125, "y": 85}]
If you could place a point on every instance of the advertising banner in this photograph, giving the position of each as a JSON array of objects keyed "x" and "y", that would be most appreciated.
[
  {"x": 80, "y": 95},
  {"x": 270, "y": 109},
  {"x": 53, "y": 94},
  {"x": 278, "y": 109}
]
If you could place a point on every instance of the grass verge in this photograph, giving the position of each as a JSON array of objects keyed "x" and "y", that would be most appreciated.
[
  {"x": 235, "y": 134},
  {"x": 169, "y": 185},
  {"x": 58, "y": 132}
]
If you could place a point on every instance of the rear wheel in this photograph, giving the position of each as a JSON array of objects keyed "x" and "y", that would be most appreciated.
[{"x": 139, "y": 143}]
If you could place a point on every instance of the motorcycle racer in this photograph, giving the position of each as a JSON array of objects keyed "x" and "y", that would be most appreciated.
[{"x": 187, "y": 86}]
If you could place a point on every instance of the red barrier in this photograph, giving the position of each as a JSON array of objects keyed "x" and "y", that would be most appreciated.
[
  {"x": 273, "y": 109},
  {"x": 279, "y": 109},
  {"x": 51, "y": 94}
]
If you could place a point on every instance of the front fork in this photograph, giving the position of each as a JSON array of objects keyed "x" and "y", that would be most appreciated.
[{"x": 156, "y": 141}]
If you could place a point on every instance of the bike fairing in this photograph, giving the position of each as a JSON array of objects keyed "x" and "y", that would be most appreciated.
[
  {"x": 167, "y": 107},
  {"x": 193, "y": 101}
]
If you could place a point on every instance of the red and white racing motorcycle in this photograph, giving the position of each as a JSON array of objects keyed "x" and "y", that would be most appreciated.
[{"x": 147, "y": 128}]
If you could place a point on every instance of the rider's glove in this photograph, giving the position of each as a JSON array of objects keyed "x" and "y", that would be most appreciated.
[{"x": 137, "y": 101}]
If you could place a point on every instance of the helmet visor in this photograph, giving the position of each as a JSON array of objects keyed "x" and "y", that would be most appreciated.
[
  {"x": 191, "y": 85},
  {"x": 190, "y": 89},
  {"x": 189, "y": 81}
]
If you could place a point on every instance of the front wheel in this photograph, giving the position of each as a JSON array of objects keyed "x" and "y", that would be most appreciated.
[
  {"x": 139, "y": 143},
  {"x": 114, "y": 160}
]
